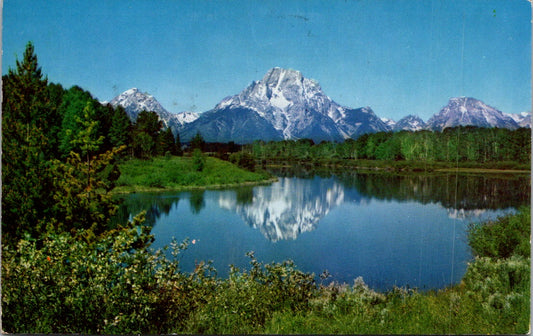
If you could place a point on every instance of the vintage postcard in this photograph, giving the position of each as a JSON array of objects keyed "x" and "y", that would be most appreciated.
[{"x": 278, "y": 167}]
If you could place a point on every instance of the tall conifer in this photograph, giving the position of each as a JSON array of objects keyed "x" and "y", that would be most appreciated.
[{"x": 26, "y": 131}]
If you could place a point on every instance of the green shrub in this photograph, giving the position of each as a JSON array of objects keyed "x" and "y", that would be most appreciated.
[
  {"x": 246, "y": 300},
  {"x": 244, "y": 160},
  {"x": 198, "y": 160},
  {"x": 504, "y": 237},
  {"x": 116, "y": 285}
]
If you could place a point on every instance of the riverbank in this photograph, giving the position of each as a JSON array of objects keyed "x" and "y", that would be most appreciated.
[
  {"x": 178, "y": 173},
  {"x": 408, "y": 166}
]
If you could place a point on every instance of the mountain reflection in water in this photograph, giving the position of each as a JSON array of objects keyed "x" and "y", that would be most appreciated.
[
  {"x": 288, "y": 207},
  {"x": 300, "y": 199}
]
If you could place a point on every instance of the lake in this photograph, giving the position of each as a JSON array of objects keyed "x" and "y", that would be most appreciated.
[{"x": 393, "y": 230}]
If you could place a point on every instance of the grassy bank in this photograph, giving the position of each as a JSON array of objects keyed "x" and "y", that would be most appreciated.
[{"x": 179, "y": 173}]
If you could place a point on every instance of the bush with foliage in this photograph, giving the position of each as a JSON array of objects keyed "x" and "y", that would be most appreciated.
[
  {"x": 244, "y": 160},
  {"x": 198, "y": 160},
  {"x": 115, "y": 285},
  {"x": 245, "y": 302},
  {"x": 502, "y": 238}
]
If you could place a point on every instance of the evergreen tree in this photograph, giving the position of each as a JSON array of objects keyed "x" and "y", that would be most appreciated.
[
  {"x": 145, "y": 134},
  {"x": 149, "y": 123},
  {"x": 86, "y": 141},
  {"x": 119, "y": 131},
  {"x": 104, "y": 115},
  {"x": 82, "y": 200},
  {"x": 198, "y": 142},
  {"x": 166, "y": 143},
  {"x": 179, "y": 151},
  {"x": 55, "y": 118},
  {"x": 27, "y": 126},
  {"x": 74, "y": 102}
]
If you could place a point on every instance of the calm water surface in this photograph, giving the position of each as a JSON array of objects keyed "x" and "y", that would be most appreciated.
[{"x": 391, "y": 230}]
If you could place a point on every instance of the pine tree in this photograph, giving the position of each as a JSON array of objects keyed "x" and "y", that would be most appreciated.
[
  {"x": 198, "y": 142},
  {"x": 82, "y": 200},
  {"x": 145, "y": 134},
  {"x": 166, "y": 143},
  {"x": 55, "y": 94},
  {"x": 87, "y": 140},
  {"x": 74, "y": 102},
  {"x": 179, "y": 151},
  {"x": 27, "y": 126},
  {"x": 119, "y": 131}
]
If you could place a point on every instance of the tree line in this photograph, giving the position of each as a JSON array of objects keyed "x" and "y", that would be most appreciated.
[{"x": 457, "y": 144}]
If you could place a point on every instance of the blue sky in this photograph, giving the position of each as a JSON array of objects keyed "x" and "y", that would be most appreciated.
[{"x": 397, "y": 56}]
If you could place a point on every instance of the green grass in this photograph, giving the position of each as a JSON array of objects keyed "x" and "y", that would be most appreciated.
[{"x": 177, "y": 173}]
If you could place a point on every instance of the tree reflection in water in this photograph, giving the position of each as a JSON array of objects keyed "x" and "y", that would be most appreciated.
[{"x": 302, "y": 197}]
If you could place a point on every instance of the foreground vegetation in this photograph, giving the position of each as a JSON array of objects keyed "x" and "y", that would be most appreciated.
[
  {"x": 117, "y": 285},
  {"x": 176, "y": 173}
]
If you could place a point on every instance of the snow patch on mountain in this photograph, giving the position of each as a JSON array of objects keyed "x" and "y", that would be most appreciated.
[
  {"x": 389, "y": 122},
  {"x": 187, "y": 117}
]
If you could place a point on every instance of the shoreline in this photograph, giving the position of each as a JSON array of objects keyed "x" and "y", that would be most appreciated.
[
  {"x": 399, "y": 169},
  {"x": 483, "y": 170},
  {"x": 135, "y": 189}
]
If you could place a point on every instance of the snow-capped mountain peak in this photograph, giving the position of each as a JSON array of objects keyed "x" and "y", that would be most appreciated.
[
  {"x": 283, "y": 105},
  {"x": 389, "y": 122},
  {"x": 134, "y": 102},
  {"x": 187, "y": 117},
  {"x": 464, "y": 111},
  {"x": 410, "y": 123},
  {"x": 523, "y": 119}
]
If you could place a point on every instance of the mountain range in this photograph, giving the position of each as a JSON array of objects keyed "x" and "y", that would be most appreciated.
[{"x": 286, "y": 105}]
